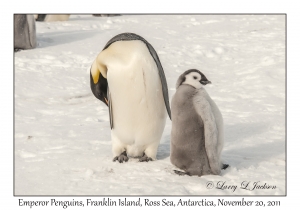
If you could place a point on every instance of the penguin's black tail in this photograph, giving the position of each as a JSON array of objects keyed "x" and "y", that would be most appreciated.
[{"x": 181, "y": 173}]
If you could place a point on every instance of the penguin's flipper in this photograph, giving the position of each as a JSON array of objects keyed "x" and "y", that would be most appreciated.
[
  {"x": 162, "y": 78},
  {"x": 203, "y": 108},
  {"x": 110, "y": 109},
  {"x": 132, "y": 36}
]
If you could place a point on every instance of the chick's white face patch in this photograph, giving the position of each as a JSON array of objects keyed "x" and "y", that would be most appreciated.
[{"x": 193, "y": 79}]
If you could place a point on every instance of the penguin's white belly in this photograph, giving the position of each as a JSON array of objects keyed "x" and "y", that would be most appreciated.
[{"x": 138, "y": 107}]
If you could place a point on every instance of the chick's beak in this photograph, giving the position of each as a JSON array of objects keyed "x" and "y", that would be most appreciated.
[{"x": 205, "y": 82}]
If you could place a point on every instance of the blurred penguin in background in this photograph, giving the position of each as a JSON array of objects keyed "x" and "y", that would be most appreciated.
[
  {"x": 24, "y": 32},
  {"x": 51, "y": 18}
]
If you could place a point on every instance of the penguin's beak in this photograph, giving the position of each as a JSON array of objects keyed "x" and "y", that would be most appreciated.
[
  {"x": 205, "y": 82},
  {"x": 106, "y": 101}
]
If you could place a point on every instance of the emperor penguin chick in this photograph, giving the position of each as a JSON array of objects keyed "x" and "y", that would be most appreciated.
[
  {"x": 197, "y": 127},
  {"x": 128, "y": 77}
]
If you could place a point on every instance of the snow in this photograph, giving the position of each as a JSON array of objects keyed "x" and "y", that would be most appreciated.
[{"x": 62, "y": 132}]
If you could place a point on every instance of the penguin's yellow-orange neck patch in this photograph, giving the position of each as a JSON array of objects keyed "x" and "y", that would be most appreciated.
[{"x": 96, "y": 71}]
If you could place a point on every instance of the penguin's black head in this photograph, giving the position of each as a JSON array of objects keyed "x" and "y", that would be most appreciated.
[
  {"x": 100, "y": 88},
  {"x": 192, "y": 77}
]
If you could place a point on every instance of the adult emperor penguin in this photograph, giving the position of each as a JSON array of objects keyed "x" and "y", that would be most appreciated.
[
  {"x": 128, "y": 77},
  {"x": 197, "y": 127}
]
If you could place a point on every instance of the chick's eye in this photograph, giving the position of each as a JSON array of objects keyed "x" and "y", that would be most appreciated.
[{"x": 195, "y": 77}]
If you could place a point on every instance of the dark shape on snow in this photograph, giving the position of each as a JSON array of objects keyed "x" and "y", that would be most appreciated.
[
  {"x": 41, "y": 17},
  {"x": 52, "y": 18},
  {"x": 105, "y": 15},
  {"x": 225, "y": 166}
]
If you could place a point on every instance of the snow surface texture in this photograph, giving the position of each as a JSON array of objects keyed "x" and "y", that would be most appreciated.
[{"x": 62, "y": 132}]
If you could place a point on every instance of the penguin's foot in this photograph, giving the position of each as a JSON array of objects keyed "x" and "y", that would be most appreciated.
[
  {"x": 224, "y": 166},
  {"x": 122, "y": 157},
  {"x": 181, "y": 173},
  {"x": 145, "y": 158}
]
